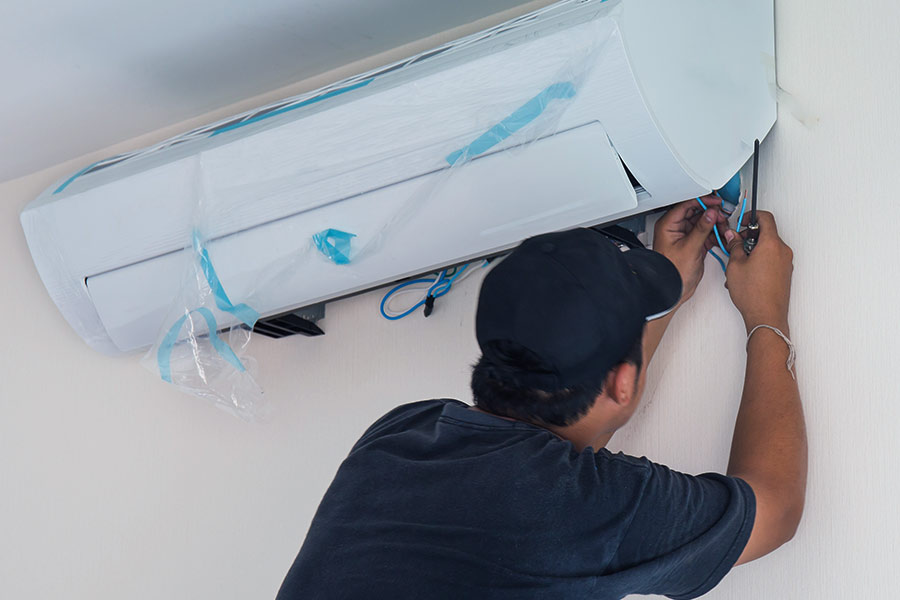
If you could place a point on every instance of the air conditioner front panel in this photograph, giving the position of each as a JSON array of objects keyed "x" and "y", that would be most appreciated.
[{"x": 493, "y": 203}]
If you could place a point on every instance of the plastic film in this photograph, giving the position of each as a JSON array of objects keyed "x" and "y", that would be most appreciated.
[{"x": 339, "y": 183}]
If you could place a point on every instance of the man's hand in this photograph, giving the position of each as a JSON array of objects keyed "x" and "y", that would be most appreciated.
[
  {"x": 684, "y": 235},
  {"x": 760, "y": 283}
]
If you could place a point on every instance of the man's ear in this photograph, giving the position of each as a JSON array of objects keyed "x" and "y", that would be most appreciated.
[{"x": 621, "y": 383}]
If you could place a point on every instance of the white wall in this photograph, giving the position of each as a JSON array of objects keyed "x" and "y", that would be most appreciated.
[
  {"x": 116, "y": 486},
  {"x": 78, "y": 76}
]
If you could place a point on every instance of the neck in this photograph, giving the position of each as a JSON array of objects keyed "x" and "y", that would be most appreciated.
[
  {"x": 580, "y": 434},
  {"x": 583, "y": 436}
]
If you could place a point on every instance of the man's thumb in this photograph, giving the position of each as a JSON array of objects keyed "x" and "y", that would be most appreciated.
[{"x": 733, "y": 242}]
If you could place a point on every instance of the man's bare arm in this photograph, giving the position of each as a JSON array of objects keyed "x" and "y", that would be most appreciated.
[{"x": 769, "y": 448}]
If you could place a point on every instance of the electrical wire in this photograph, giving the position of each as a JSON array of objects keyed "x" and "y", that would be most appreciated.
[
  {"x": 741, "y": 217},
  {"x": 425, "y": 289},
  {"x": 718, "y": 258},
  {"x": 715, "y": 230}
]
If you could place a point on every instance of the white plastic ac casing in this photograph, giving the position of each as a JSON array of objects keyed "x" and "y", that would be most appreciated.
[{"x": 678, "y": 93}]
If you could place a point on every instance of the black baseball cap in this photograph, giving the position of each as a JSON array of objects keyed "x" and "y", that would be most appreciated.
[{"x": 564, "y": 308}]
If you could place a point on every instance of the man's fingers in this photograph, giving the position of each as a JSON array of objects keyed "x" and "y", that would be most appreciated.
[
  {"x": 689, "y": 209},
  {"x": 735, "y": 244},
  {"x": 710, "y": 200},
  {"x": 680, "y": 212},
  {"x": 766, "y": 224},
  {"x": 762, "y": 217},
  {"x": 698, "y": 236}
]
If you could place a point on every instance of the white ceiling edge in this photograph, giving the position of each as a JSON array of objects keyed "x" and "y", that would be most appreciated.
[{"x": 117, "y": 141}]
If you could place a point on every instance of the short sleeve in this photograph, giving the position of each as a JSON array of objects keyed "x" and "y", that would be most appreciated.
[{"x": 687, "y": 532}]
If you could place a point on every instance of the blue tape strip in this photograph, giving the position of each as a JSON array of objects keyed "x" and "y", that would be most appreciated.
[
  {"x": 66, "y": 183},
  {"x": 164, "y": 354},
  {"x": 350, "y": 88},
  {"x": 244, "y": 313},
  {"x": 335, "y": 244},
  {"x": 527, "y": 113},
  {"x": 280, "y": 111}
]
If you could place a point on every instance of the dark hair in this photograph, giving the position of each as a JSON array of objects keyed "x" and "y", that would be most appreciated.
[{"x": 558, "y": 407}]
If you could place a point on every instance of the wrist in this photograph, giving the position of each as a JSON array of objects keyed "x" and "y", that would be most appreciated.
[{"x": 773, "y": 320}]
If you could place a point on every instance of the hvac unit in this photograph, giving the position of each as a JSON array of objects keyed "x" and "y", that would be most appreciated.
[{"x": 626, "y": 107}]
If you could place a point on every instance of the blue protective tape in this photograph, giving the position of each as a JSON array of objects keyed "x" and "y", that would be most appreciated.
[
  {"x": 350, "y": 88},
  {"x": 527, "y": 113},
  {"x": 164, "y": 354},
  {"x": 244, "y": 313},
  {"x": 280, "y": 111},
  {"x": 66, "y": 183},
  {"x": 335, "y": 244}
]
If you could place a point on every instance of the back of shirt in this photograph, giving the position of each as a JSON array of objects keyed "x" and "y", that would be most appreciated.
[{"x": 439, "y": 501}]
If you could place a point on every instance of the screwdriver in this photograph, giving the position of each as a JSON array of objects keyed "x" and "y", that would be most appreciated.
[{"x": 753, "y": 226}]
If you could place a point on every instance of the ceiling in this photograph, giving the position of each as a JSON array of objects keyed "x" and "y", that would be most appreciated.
[{"x": 80, "y": 76}]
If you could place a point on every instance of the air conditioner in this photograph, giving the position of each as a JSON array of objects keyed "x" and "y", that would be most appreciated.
[{"x": 657, "y": 101}]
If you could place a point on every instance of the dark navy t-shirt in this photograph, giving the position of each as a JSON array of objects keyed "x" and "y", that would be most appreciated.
[{"x": 440, "y": 501}]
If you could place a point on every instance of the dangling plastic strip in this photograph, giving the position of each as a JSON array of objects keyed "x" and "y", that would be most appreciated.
[
  {"x": 164, "y": 355},
  {"x": 244, "y": 313}
]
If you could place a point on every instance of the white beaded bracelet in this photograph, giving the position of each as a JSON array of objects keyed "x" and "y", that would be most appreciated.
[{"x": 792, "y": 355}]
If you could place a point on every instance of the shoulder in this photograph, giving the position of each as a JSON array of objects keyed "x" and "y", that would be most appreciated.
[{"x": 406, "y": 416}]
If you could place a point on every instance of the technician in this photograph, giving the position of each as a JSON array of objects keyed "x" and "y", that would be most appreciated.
[{"x": 518, "y": 497}]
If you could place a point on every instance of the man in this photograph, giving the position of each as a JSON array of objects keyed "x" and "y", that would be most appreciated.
[{"x": 517, "y": 497}]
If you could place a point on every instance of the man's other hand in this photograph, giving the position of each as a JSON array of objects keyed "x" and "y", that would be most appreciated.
[
  {"x": 760, "y": 283},
  {"x": 684, "y": 235}
]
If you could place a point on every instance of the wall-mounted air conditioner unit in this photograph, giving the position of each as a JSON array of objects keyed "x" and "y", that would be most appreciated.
[{"x": 657, "y": 101}]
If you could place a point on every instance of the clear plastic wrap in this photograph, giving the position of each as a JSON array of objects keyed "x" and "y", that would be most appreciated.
[
  {"x": 202, "y": 346},
  {"x": 206, "y": 233}
]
